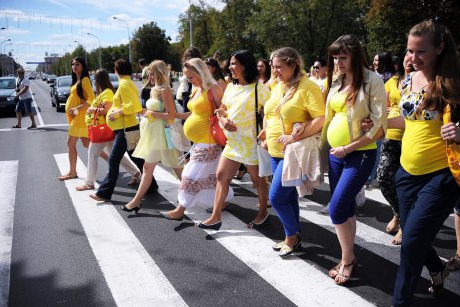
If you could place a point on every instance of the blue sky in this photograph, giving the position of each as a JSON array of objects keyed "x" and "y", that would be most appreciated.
[{"x": 39, "y": 26}]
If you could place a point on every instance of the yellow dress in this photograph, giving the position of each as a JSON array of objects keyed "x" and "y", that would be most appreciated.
[
  {"x": 152, "y": 146},
  {"x": 77, "y": 124},
  {"x": 196, "y": 127},
  {"x": 240, "y": 103}
]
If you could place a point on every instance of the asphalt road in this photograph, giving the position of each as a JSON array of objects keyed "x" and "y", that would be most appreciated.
[{"x": 59, "y": 248}]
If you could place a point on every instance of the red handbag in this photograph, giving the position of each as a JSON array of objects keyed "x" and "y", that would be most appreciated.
[
  {"x": 214, "y": 127},
  {"x": 100, "y": 133}
]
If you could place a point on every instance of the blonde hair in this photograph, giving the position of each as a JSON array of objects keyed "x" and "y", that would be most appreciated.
[
  {"x": 160, "y": 72},
  {"x": 199, "y": 68},
  {"x": 292, "y": 58}
]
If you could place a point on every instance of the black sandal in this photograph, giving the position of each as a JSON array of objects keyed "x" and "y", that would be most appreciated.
[
  {"x": 437, "y": 280},
  {"x": 16, "y": 126}
]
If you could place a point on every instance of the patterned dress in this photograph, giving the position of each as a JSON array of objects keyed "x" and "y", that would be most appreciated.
[{"x": 240, "y": 102}]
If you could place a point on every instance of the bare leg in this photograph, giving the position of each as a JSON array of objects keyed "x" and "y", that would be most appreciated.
[
  {"x": 261, "y": 185},
  {"x": 146, "y": 180},
  {"x": 346, "y": 235},
  {"x": 19, "y": 117},
  {"x": 457, "y": 232},
  {"x": 32, "y": 118},
  {"x": 72, "y": 144},
  {"x": 225, "y": 172}
]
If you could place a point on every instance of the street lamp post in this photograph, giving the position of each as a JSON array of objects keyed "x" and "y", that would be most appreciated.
[
  {"x": 86, "y": 61},
  {"x": 1, "y": 49},
  {"x": 100, "y": 65},
  {"x": 12, "y": 61},
  {"x": 129, "y": 38}
]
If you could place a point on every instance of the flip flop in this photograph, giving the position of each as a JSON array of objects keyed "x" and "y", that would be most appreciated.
[
  {"x": 85, "y": 187},
  {"x": 67, "y": 177}
]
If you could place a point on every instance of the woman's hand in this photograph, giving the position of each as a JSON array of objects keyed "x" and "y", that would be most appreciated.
[
  {"x": 73, "y": 112},
  {"x": 264, "y": 145},
  {"x": 148, "y": 113},
  {"x": 262, "y": 135},
  {"x": 115, "y": 114},
  {"x": 367, "y": 124},
  {"x": 297, "y": 130},
  {"x": 286, "y": 140},
  {"x": 91, "y": 110},
  {"x": 338, "y": 152},
  {"x": 220, "y": 112},
  {"x": 228, "y": 124},
  {"x": 450, "y": 132}
]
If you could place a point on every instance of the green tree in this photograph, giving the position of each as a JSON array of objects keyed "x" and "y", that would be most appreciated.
[{"x": 151, "y": 43}]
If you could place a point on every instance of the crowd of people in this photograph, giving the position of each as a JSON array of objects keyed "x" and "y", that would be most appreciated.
[{"x": 342, "y": 117}]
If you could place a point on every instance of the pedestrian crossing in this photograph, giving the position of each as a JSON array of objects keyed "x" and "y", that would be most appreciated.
[{"x": 236, "y": 265}]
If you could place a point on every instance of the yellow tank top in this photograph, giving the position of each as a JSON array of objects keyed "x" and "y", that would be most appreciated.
[
  {"x": 423, "y": 151},
  {"x": 337, "y": 132},
  {"x": 196, "y": 127},
  {"x": 394, "y": 95}
]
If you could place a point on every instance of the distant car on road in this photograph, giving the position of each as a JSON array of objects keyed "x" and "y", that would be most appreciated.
[
  {"x": 60, "y": 91},
  {"x": 7, "y": 93},
  {"x": 51, "y": 79}
]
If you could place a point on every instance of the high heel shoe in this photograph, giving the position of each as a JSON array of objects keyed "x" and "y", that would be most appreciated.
[
  {"x": 264, "y": 222},
  {"x": 216, "y": 226},
  {"x": 135, "y": 209},
  {"x": 437, "y": 280}
]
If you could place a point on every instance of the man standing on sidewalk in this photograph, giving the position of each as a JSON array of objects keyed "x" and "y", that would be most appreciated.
[{"x": 23, "y": 98}]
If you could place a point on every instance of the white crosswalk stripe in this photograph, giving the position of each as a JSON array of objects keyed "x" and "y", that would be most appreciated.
[{"x": 8, "y": 181}]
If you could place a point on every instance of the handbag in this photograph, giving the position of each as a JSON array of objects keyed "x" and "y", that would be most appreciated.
[
  {"x": 145, "y": 93},
  {"x": 452, "y": 149},
  {"x": 214, "y": 126},
  {"x": 263, "y": 156},
  {"x": 132, "y": 136},
  {"x": 99, "y": 133},
  {"x": 174, "y": 133}
]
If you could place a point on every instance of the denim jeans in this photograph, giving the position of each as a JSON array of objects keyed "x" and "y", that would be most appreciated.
[
  {"x": 425, "y": 201},
  {"x": 346, "y": 178},
  {"x": 285, "y": 200},
  {"x": 118, "y": 150}
]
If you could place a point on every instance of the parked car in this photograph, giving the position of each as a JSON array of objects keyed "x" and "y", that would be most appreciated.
[
  {"x": 60, "y": 91},
  {"x": 7, "y": 93},
  {"x": 51, "y": 79},
  {"x": 44, "y": 76}
]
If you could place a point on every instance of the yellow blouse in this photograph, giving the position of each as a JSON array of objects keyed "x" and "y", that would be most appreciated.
[
  {"x": 127, "y": 99},
  {"x": 107, "y": 97},
  {"x": 77, "y": 125},
  {"x": 306, "y": 104},
  {"x": 196, "y": 127},
  {"x": 394, "y": 95}
]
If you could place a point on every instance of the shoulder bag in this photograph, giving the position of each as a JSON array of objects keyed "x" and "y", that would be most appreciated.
[
  {"x": 263, "y": 156},
  {"x": 99, "y": 133},
  {"x": 452, "y": 149},
  {"x": 214, "y": 126}
]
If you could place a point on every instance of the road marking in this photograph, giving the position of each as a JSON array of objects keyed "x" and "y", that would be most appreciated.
[
  {"x": 367, "y": 237},
  {"x": 132, "y": 276},
  {"x": 44, "y": 126},
  {"x": 307, "y": 286},
  {"x": 39, "y": 116},
  {"x": 8, "y": 182}
]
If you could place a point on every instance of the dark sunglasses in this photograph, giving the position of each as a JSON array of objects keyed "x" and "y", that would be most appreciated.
[{"x": 316, "y": 67}]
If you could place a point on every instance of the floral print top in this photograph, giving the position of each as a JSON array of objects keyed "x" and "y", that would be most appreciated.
[{"x": 410, "y": 103}]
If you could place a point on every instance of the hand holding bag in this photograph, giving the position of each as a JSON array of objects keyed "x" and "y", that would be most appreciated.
[
  {"x": 263, "y": 156},
  {"x": 99, "y": 133},
  {"x": 214, "y": 127},
  {"x": 452, "y": 149}
]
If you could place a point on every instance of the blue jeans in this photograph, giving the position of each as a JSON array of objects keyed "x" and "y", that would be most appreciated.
[
  {"x": 425, "y": 201},
  {"x": 346, "y": 178},
  {"x": 118, "y": 150},
  {"x": 285, "y": 200}
]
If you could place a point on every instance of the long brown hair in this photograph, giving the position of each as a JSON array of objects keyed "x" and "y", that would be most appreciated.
[
  {"x": 350, "y": 45},
  {"x": 445, "y": 89},
  {"x": 292, "y": 58},
  {"x": 102, "y": 81}
]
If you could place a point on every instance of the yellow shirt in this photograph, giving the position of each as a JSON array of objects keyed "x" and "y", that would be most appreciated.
[
  {"x": 306, "y": 104},
  {"x": 338, "y": 133},
  {"x": 77, "y": 125},
  {"x": 107, "y": 97},
  {"x": 423, "y": 150},
  {"x": 394, "y": 95},
  {"x": 127, "y": 99},
  {"x": 196, "y": 127}
]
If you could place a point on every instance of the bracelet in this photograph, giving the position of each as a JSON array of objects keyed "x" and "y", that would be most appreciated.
[{"x": 343, "y": 147}]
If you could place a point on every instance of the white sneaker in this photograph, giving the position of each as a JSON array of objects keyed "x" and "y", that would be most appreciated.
[
  {"x": 361, "y": 198},
  {"x": 325, "y": 210}
]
